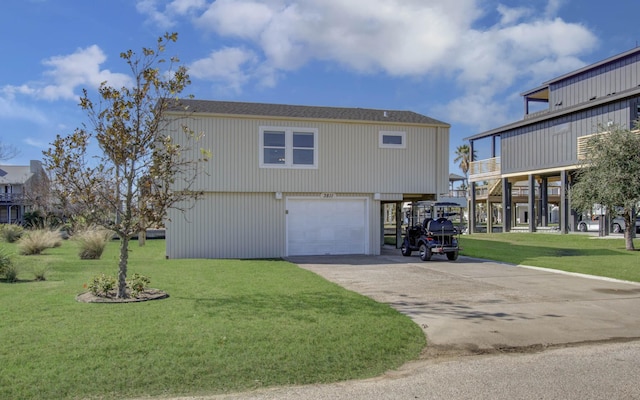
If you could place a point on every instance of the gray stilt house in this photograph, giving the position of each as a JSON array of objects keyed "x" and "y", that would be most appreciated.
[{"x": 524, "y": 184}]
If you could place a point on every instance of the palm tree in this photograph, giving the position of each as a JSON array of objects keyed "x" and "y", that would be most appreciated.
[{"x": 463, "y": 156}]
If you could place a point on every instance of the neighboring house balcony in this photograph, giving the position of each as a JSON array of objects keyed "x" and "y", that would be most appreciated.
[
  {"x": 483, "y": 170},
  {"x": 495, "y": 189},
  {"x": 519, "y": 192},
  {"x": 12, "y": 197},
  {"x": 458, "y": 193},
  {"x": 536, "y": 114}
]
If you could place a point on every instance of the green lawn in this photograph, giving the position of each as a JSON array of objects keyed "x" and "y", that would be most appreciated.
[
  {"x": 574, "y": 253},
  {"x": 228, "y": 325}
]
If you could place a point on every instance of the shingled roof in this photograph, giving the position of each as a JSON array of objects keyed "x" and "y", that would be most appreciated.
[{"x": 306, "y": 112}]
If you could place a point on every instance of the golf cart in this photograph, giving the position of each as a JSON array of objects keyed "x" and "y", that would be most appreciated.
[{"x": 432, "y": 236}]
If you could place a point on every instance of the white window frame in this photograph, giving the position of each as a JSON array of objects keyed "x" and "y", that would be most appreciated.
[
  {"x": 401, "y": 134},
  {"x": 288, "y": 132}
]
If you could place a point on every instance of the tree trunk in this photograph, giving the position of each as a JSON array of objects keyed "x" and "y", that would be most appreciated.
[
  {"x": 628, "y": 235},
  {"x": 122, "y": 270}
]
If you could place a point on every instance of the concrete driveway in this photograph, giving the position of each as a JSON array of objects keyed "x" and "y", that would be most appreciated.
[{"x": 479, "y": 306}]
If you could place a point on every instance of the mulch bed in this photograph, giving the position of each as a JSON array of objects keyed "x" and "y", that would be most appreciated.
[{"x": 149, "y": 294}]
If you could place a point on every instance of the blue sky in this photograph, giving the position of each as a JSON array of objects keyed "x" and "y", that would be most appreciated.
[{"x": 464, "y": 62}]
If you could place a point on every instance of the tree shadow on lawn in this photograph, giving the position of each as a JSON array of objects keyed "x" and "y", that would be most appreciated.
[{"x": 274, "y": 305}]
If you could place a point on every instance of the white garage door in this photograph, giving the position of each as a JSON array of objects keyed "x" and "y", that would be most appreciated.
[{"x": 326, "y": 226}]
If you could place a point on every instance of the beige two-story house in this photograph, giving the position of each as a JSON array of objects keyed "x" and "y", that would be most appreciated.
[{"x": 289, "y": 180}]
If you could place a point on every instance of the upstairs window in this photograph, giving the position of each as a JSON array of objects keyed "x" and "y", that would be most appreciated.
[
  {"x": 288, "y": 147},
  {"x": 392, "y": 140}
]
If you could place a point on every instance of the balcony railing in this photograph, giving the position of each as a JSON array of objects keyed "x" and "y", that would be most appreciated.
[
  {"x": 461, "y": 193},
  {"x": 11, "y": 197},
  {"x": 482, "y": 170},
  {"x": 584, "y": 143},
  {"x": 482, "y": 191},
  {"x": 536, "y": 114}
]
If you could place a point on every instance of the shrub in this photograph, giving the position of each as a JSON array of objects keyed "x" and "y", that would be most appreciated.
[
  {"x": 39, "y": 220},
  {"x": 102, "y": 285},
  {"x": 138, "y": 283},
  {"x": 92, "y": 243},
  {"x": 34, "y": 242},
  {"x": 11, "y": 232}
]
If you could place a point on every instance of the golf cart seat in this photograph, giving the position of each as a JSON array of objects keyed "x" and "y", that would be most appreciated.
[{"x": 442, "y": 226}]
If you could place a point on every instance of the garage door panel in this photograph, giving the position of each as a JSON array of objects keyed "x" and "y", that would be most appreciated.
[{"x": 326, "y": 226}]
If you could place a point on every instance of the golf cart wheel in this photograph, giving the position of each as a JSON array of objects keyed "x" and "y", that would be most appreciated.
[
  {"x": 617, "y": 228},
  {"x": 582, "y": 227},
  {"x": 425, "y": 252},
  {"x": 405, "y": 249},
  {"x": 452, "y": 255}
]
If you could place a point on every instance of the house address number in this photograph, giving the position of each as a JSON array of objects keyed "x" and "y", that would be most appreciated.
[{"x": 327, "y": 195}]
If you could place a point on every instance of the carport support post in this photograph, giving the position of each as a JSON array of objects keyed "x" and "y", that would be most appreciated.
[
  {"x": 564, "y": 202},
  {"x": 472, "y": 208},
  {"x": 506, "y": 205},
  {"x": 532, "y": 203},
  {"x": 544, "y": 201},
  {"x": 489, "y": 214},
  {"x": 399, "y": 219}
]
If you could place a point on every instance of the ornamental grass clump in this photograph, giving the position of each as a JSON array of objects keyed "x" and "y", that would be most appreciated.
[
  {"x": 10, "y": 233},
  {"x": 40, "y": 272},
  {"x": 92, "y": 242},
  {"x": 34, "y": 242}
]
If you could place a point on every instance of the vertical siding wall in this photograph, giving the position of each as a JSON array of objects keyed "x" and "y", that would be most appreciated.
[
  {"x": 349, "y": 159},
  {"x": 553, "y": 143},
  {"x": 243, "y": 225},
  {"x": 229, "y": 225},
  {"x": 611, "y": 78}
]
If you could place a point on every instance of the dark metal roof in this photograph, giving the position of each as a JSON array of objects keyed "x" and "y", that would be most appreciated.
[
  {"x": 594, "y": 65},
  {"x": 305, "y": 112},
  {"x": 542, "y": 116}
]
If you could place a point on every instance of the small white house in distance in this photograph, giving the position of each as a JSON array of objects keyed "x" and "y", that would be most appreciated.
[{"x": 289, "y": 180}]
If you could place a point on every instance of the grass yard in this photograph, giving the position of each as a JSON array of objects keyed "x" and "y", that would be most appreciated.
[
  {"x": 573, "y": 253},
  {"x": 228, "y": 325}
]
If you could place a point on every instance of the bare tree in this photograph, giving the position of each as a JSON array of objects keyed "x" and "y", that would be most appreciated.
[
  {"x": 7, "y": 151},
  {"x": 609, "y": 175},
  {"x": 135, "y": 146}
]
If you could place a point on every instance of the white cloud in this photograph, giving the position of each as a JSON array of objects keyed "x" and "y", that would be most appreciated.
[
  {"x": 10, "y": 109},
  {"x": 185, "y": 7},
  {"x": 155, "y": 16},
  {"x": 226, "y": 67},
  {"x": 401, "y": 38},
  {"x": 364, "y": 35},
  {"x": 244, "y": 19},
  {"x": 66, "y": 74},
  {"x": 166, "y": 18},
  {"x": 475, "y": 109},
  {"x": 36, "y": 143},
  {"x": 81, "y": 68}
]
